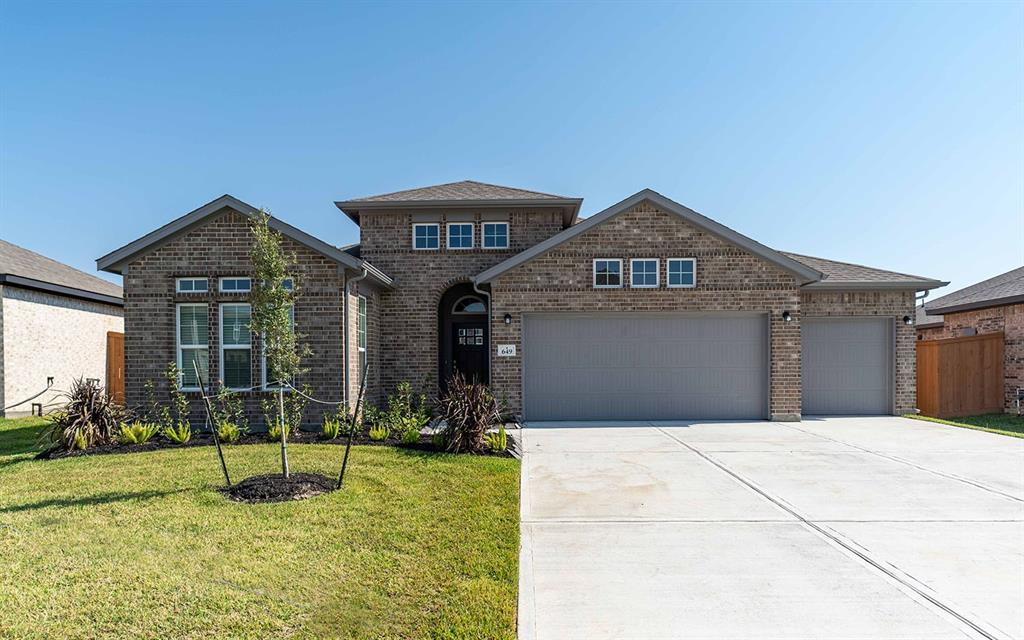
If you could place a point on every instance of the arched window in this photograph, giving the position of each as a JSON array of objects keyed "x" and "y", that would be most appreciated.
[{"x": 469, "y": 304}]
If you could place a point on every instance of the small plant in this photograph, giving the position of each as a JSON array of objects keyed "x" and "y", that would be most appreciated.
[
  {"x": 179, "y": 400},
  {"x": 229, "y": 432},
  {"x": 379, "y": 432},
  {"x": 137, "y": 432},
  {"x": 227, "y": 407},
  {"x": 438, "y": 440},
  {"x": 468, "y": 409},
  {"x": 89, "y": 418},
  {"x": 274, "y": 432},
  {"x": 80, "y": 442},
  {"x": 410, "y": 436},
  {"x": 405, "y": 411},
  {"x": 497, "y": 441},
  {"x": 331, "y": 428},
  {"x": 179, "y": 434}
]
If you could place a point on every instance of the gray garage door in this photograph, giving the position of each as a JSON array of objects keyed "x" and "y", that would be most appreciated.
[
  {"x": 644, "y": 366},
  {"x": 847, "y": 366}
]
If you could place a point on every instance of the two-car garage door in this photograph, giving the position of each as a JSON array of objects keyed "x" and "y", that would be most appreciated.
[{"x": 645, "y": 366}]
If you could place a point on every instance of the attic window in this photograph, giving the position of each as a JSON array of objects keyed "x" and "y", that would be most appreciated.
[{"x": 192, "y": 285}]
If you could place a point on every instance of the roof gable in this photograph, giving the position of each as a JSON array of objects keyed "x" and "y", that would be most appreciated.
[
  {"x": 1006, "y": 288},
  {"x": 25, "y": 268},
  {"x": 114, "y": 261},
  {"x": 802, "y": 272}
]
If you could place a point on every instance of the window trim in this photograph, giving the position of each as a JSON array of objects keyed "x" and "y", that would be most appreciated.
[
  {"x": 668, "y": 279},
  {"x": 361, "y": 309},
  {"x": 448, "y": 236},
  {"x": 657, "y": 273},
  {"x": 594, "y": 274},
  {"x": 436, "y": 225},
  {"x": 483, "y": 235},
  {"x": 469, "y": 313},
  {"x": 179, "y": 347},
  {"x": 263, "y": 358},
  {"x": 220, "y": 284},
  {"x": 178, "y": 281},
  {"x": 222, "y": 347}
]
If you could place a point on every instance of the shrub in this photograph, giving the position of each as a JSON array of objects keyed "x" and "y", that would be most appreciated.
[
  {"x": 137, "y": 432},
  {"x": 274, "y": 432},
  {"x": 410, "y": 436},
  {"x": 468, "y": 409},
  {"x": 178, "y": 398},
  {"x": 406, "y": 412},
  {"x": 229, "y": 432},
  {"x": 497, "y": 441},
  {"x": 379, "y": 432},
  {"x": 89, "y": 419},
  {"x": 294, "y": 408},
  {"x": 179, "y": 434},
  {"x": 331, "y": 427},
  {"x": 227, "y": 407},
  {"x": 439, "y": 440}
]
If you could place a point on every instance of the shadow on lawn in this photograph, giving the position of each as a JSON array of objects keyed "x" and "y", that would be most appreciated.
[
  {"x": 85, "y": 501},
  {"x": 20, "y": 440}
]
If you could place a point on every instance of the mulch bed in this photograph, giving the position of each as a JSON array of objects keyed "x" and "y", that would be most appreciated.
[{"x": 277, "y": 488}]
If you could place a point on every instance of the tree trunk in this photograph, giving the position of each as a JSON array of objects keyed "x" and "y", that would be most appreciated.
[{"x": 284, "y": 432}]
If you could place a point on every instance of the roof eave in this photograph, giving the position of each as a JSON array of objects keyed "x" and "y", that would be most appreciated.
[
  {"x": 868, "y": 285},
  {"x": 351, "y": 208},
  {"x": 972, "y": 306},
  {"x": 50, "y": 287}
]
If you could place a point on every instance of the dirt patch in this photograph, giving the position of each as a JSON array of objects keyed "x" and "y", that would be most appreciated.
[{"x": 277, "y": 488}]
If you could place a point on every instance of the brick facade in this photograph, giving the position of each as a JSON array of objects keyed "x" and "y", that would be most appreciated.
[{"x": 1008, "y": 319}]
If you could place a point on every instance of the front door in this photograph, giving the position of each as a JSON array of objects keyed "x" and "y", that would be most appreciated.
[{"x": 469, "y": 350}]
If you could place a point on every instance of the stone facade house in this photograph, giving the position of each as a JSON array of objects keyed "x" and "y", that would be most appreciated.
[
  {"x": 54, "y": 322},
  {"x": 995, "y": 305},
  {"x": 646, "y": 310}
]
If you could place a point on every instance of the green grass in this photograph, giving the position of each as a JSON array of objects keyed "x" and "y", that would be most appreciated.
[
  {"x": 142, "y": 545},
  {"x": 1001, "y": 423}
]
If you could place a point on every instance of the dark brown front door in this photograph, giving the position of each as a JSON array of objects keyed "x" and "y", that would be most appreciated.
[{"x": 469, "y": 349}]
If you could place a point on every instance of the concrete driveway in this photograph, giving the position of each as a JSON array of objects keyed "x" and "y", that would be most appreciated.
[{"x": 827, "y": 528}]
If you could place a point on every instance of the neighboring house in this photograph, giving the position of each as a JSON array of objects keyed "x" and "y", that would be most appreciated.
[
  {"x": 929, "y": 327},
  {"x": 54, "y": 321},
  {"x": 646, "y": 310},
  {"x": 992, "y": 306}
]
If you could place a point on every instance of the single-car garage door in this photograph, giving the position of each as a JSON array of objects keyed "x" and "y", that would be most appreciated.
[
  {"x": 645, "y": 366},
  {"x": 847, "y": 366}
]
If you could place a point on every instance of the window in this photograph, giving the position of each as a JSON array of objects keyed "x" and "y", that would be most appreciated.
[
  {"x": 270, "y": 378},
  {"x": 235, "y": 346},
  {"x": 361, "y": 335},
  {"x": 426, "y": 236},
  {"x": 469, "y": 304},
  {"x": 495, "y": 235},
  {"x": 607, "y": 273},
  {"x": 682, "y": 272},
  {"x": 643, "y": 273},
  {"x": 235, "y": 285},
  {"x": 460, "y": 235},
  {"x": 191, "y": 335},
  {"x": 192, "y": 285}
]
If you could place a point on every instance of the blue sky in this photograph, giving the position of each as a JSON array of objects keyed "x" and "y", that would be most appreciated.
[{"x": 884, "y": 134}]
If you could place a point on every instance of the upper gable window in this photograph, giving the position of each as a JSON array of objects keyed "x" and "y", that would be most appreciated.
[
  {"x": 643, "y": 273},
  {"x": 607, "y": 273},
  {"x": 426, "y": 236},
  {"x": 460, "y": 235},
  {"x": 192, "y": 285},
  {"x": 682, "y": 272},
  {"x": 495, "y": 235},
  {"x": 235, "y": 285}
]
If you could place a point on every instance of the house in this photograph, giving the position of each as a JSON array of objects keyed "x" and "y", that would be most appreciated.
[
  {"x": 54, "y": 323},
  {"x": 646, "y": 310},
  {"x": 995, "y": 305}
]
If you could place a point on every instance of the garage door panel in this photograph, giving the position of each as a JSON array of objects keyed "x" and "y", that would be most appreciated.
[
  {"x": 644, "y": 366},
  {"x": 847, "y": 365}
]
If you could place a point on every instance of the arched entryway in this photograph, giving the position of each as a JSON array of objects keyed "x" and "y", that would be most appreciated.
[{"x": 463, "y": 336}]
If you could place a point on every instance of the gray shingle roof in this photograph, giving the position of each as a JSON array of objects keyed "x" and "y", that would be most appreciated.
[
  {"x": 1006, "y": 288},
  {"x": 464, "y": 190},
  {"x": 840, "y": 274},
  {"x": 18, "y": 263},
  {"x": 922, "y": 320}
]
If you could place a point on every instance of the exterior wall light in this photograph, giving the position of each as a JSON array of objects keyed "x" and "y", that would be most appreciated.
[
  {"x": 508, "y": 318},
  {"x": 787, "y": 316},
  {"x": 907, "y": 320}
]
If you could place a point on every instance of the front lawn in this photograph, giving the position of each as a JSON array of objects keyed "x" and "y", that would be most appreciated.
[
  {"x": 1002, "y": 423},
  {"x": 143, "y": 545}
]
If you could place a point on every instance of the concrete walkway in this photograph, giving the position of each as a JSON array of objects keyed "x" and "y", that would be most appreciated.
[{"x": 827, "y": 528}]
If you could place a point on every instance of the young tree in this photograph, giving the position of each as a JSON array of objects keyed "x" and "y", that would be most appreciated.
[{"x": 271, "y": 318}]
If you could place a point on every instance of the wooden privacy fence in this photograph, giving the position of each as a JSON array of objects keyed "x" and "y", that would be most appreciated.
[
  {"x": 960, "y": 376},
  {"x": 115, "y": 365}
]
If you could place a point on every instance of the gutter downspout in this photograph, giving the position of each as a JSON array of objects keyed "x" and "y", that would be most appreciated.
[
  {"x": 345, "y": 352},
  {"x": 490, "y": 324}
]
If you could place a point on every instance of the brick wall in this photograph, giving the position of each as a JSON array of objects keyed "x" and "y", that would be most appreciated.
[
  {"x": 892, "y": 304},
  {"x": 1010, "y": 320},
  {"x": 728, "y": 279},
  {"x": 220, "y": 247},
  {"x": 409, "y": 314}
]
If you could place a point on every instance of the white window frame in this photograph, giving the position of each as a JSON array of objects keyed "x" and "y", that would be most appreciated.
[
  {"x": 436, "y": 225},
  {"x": 220, "y": 284},
  {"x": 179, "y": 348},
  {"x": 657, "y": 273},
  {"x": 263, "y": 357},
  {"x": 361, "y": 310},
  {"x": 668, "y": 279},
  {"x": 593, "y": 280},
  {"x": 223, "y": 347},
  {"x": 178, "y": 281},
  {"x": 448, "y": 236},
  {"x": 483, "y": 235}
]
